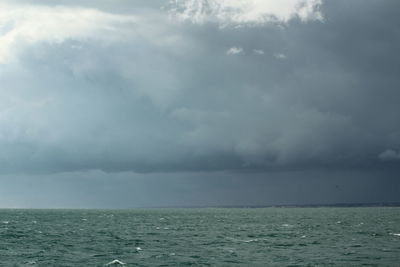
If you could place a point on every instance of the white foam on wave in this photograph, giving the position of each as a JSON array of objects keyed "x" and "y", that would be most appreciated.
[
  {"x": 115, "y": 262},
  {"x": 254, "y": 240},
  {"x": 229, "y": 249},
  {"x": 250, "y": 240},
  {"x": 395, "y": 234},
  {"x": 247, "y": 241}
]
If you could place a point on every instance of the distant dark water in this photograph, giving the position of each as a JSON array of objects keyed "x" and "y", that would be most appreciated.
[{"x": 201, "y": 237}]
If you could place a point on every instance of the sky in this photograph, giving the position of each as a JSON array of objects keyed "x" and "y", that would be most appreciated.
[{"x": 137, "y": 103}]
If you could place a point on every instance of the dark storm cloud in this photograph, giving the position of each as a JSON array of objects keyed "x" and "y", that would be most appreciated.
[{"x": 130, "y": 90}]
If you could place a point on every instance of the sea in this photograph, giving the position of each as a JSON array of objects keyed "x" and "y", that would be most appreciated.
[{"x": 350, "y": 236}]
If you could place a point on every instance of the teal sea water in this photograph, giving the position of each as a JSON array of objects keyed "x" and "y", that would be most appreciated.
[{"x": 201, "y": 237}]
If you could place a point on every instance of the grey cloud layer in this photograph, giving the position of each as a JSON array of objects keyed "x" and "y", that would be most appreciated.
[{"x": 153, "y": 95}]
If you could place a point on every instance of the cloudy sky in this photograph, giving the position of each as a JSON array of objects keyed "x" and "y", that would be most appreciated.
[{"x": 133, "y": 103}]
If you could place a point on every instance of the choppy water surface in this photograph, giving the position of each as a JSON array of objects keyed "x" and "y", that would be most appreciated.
[{"x": 201, "y": 237}]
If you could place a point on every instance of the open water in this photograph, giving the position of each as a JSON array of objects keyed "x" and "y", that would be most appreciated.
[{"x": 201, "y": 237}]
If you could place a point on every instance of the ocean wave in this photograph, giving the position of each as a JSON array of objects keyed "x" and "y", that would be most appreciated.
[{"x": 114, "y": 262}]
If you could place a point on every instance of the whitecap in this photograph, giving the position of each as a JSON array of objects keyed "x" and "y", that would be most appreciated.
[
  {"x": 395, "y": 234},
  {"x": 115, "y": 262},
  {"x": 250, "y": 240},
  {"x": 229, "y": 249},
  {"x": 138, "y": 249},
  {"x": 5, "y": 222},
  {"x": 246, "y": 241}
]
